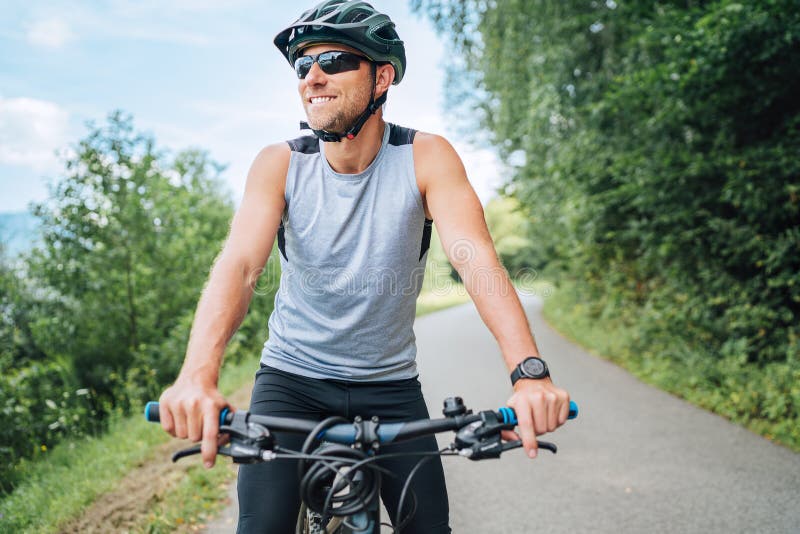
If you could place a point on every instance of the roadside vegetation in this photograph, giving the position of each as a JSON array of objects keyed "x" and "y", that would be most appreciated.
[
  {"x": 652, "y": 149},
  {"x": 56, "y": 489},
  {"x": 94, "y": 321}
]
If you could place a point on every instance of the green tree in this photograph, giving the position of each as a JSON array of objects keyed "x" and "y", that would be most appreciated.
[
  {"x": 128, "y": 238},
  {"x": 660, "y": 143},
  {"x": 97, "y": 318}
]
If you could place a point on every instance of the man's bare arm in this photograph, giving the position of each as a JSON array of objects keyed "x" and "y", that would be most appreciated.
[
  {"x": 541, "y": 407},
  {"x": 190, "y": 407}
]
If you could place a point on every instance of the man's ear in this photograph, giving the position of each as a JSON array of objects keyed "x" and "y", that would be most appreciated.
[{"x": 384, "y": 76}]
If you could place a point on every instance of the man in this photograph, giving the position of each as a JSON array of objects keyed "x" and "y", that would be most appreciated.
[{"x": 352, "y": 208}]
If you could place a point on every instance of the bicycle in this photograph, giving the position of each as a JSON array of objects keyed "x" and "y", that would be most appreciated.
[{"x": 339, "y": 481}]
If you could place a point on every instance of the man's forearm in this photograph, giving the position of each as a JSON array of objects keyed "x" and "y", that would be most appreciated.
[
  {"x": 221, "y": 309},
  {"x": 498, "y": 305}
]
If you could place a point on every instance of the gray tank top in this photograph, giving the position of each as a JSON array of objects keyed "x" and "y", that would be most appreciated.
[{"x": 352, "y": 252}]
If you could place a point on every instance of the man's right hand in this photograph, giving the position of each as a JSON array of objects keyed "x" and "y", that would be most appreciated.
[{"x": 190, "y": 409}]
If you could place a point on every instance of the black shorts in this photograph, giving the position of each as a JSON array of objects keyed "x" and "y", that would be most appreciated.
[{"x": 269, "y": 494}]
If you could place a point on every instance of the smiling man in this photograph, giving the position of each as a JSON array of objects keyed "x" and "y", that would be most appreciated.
[{"x": 352, "y": 208}]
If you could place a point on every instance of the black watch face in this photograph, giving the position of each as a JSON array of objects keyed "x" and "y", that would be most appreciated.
[{"x": 533, "y": 367}]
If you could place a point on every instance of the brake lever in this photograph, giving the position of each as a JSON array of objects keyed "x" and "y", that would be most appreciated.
[
  {"x": 546, "y": 445},
  {"x": 238, "y": 450},
  {"x": 249, "y": 442},
  {"x": 186, "y": 452},
  {"x": 493, "y": 447},
  {"x": 481, "y": 439}
]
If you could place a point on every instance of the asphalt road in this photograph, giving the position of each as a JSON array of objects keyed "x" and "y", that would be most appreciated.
[{"x": 636, "y": 460}]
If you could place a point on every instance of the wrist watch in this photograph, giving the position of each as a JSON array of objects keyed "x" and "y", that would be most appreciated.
[{"x": 530, "y": 367}]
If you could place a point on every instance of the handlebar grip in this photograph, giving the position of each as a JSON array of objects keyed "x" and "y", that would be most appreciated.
[
  {"x": 151, "y": 413},
  {"x": 509, "y": 416}
]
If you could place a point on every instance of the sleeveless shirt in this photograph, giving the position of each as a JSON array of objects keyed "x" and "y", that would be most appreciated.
[{"x": 352, "y": 252}]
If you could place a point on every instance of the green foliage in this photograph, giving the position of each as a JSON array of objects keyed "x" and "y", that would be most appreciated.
[
  {"x": 96, "y": 320},
  {"x": 660, "y": 146},
  {"x": 128, "y": 239},
  {"x": 644, "y": 341},
  {"x": 509, "y": 227},
  {"x": 61, "y": 483}
]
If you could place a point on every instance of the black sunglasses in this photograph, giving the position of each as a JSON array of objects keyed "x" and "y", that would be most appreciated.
[{"x": 331, "y": 62}]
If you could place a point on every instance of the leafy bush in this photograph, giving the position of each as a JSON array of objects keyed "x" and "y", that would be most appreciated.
[
  {"x": 660, "y": 173},
  {"x": 97, "y": 319}
]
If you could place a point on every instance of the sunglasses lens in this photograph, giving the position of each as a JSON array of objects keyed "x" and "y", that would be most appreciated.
[
  {"x": 332, "y": 62},
  {"x": 302, "y": 65},
  {"x": 336, "y": 62}
]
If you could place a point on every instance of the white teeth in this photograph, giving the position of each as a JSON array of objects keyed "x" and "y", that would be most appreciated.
[{"x": 320, "y": 99}]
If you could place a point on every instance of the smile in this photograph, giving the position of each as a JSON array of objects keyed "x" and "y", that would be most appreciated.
[{"x": 320, "y": 99}]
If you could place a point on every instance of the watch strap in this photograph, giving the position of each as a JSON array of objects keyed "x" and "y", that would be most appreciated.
[{"x": 516, "y": 374}]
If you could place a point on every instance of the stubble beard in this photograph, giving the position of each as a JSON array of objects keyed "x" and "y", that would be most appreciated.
[{"x": 347, "y": 108}]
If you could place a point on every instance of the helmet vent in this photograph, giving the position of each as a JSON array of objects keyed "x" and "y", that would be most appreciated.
[
  {"x": 328, "y": 10},
  {"x": 359, "y": 16},
  {"x": 387, "y": 33}
]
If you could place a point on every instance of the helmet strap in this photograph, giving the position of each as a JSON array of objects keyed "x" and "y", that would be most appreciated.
[{"x": 352, "y": 132}]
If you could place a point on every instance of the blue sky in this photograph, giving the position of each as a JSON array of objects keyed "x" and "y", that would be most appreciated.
[{"x": 193, "y": 73}]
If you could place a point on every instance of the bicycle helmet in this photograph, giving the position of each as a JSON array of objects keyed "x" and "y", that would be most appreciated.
[{"x": 353, "y": 23}]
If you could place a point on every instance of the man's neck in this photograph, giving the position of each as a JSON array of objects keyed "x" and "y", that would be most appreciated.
[{"x": 352, "y": 156}]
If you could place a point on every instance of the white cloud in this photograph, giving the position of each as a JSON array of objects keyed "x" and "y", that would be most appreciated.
[
  {"x": 52, "y": 33},
  {"x": 31, "y": 131}
]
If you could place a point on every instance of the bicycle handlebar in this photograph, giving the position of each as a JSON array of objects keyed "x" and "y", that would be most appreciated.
[
  {"x": 347, "y": 434},
  {"x": 478, "y": 437}
]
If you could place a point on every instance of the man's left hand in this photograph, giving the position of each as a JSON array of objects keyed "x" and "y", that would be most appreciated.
[{"x": 541, "y": 407}]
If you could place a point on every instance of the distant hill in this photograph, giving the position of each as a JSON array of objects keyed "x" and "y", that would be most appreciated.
[{"x": 18, "y": 232}]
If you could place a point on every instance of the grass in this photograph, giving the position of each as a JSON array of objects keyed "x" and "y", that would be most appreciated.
[
  {"x": 537, "y": 288},
  {"x": 429, "y": 302},
  {"x": 193, "y": 502},
  {"x": 439, "y": 289},
  {"x": 59, "y": 486},
  {"x": 614, "y": 336}
]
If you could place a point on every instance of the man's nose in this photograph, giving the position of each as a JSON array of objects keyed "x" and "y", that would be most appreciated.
[{"x": 315, "y": 75}]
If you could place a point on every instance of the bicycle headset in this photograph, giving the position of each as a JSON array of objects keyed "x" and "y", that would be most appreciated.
[{"x": 353, "y": 23}]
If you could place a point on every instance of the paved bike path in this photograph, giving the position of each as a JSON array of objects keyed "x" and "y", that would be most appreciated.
[{"x": 636, "y": 460}]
